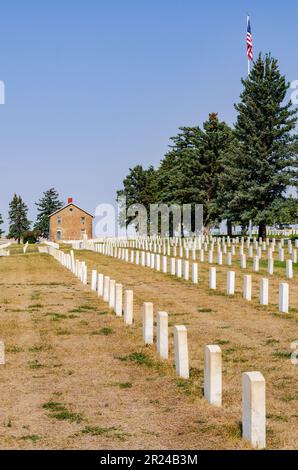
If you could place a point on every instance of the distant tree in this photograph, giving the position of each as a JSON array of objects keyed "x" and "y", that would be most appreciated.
[
  {"x": 263, "y": 164},
  {"x": 18, "y": 221},
  {"x": 139, "y": 187},
  {"x": 48, "y": 204},
  {"x": 285, "y": 211},
  {"x": 1, "y": 222},
  {"x": 31, "y": 236}
]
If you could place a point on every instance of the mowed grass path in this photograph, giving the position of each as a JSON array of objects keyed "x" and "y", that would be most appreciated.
[
  {"x": 252, "y": 337},
  {"x": 77, "y": 378}
]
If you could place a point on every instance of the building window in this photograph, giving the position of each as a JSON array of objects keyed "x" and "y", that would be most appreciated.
[
  {"x": 83, "y": 233},
  {"x": 59, "y": 234},
  {"x": 83, "y": 219},
  {"x": 70, "y": 210},
  {"x": 59, "y": 220}
]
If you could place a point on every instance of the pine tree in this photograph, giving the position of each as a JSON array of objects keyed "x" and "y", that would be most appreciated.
[
  {"x": 139, "y": 187},
  {"x": 263, "y": 163},
  {"x": 18, "y": 221},
  {"x": 1, "y": 222},
  {"x": 48, "y": 204},
  {"x": 189, "y": 173}
]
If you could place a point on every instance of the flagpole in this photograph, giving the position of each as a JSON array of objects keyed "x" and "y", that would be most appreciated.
[
  {"x": 248, "y": 64},
  {"x": 248, "y": 60}
]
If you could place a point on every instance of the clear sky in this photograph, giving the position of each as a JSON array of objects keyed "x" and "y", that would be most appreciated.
[{"x": 94, "y": 87}]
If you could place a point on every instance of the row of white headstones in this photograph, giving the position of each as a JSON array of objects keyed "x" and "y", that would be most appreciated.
[
  {"x": 181, "y": 268},
  {"x": 253, "y": 383},
  {"x": 113, "y": 247},
  {"x": 171, "y": 247},
  {"x": 5, "y": 252}
]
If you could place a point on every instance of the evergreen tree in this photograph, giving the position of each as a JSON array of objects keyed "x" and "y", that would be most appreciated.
[
  {"x": 189, "y": 173},
  {"x": 18, "y": 221},
  {"x": 263, "y": 163},
  {"x": 285, "y": 211},
  {"x": 1, "y": 222},
  {"x": 48, "y": 204},
  {"x": 139, "y": 187}
]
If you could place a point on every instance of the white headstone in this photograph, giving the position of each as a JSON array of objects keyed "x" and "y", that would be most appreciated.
[
  {"x": 256, "y": 264},
  {"x": 186, "y": 270},
  {"x": 195, "y": 279},
  {"x": 118, "y": 300},
  {"x": 128, "y": 307},
  {"x": 2, "y": 353},
  {"x": 112, "y": 293},
  {"x": 247, "y": 286},
  {"x": 164, "y": 264},
  {"x": 93, "y": 279},
  {"x": 289, "y": 268},
  {"x": 162, "y": 335},
  {"x": 284, "y": 297},
  {"x": 264, "y": 291},
  {"x": 181, "y": 351},
  {"x": 213, "y": 375},
  {"x": 230, "y": 283},
  {"x": 148, "y": 322},
  {"x": 179, "y": 268},
  {"x": 106, "y": 288},
  {"x": 212, "y": 278},
  {"x": 254, "y": 409}
]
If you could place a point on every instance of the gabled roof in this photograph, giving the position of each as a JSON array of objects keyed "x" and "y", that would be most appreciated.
[{"x": 68, "y": 205}]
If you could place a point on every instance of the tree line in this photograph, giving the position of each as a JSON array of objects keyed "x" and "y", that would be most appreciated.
[
  {"x": 240, "y": 173},
  {"x": 20, "y": 225}
]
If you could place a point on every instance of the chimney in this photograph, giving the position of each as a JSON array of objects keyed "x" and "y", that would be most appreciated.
[{"x": 69, "y": 201}]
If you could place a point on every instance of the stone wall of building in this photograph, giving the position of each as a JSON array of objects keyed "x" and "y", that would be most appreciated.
[{"x": 70, "y": 223}]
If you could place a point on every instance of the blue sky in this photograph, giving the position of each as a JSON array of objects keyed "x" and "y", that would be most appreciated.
[{"x": 94, "y": 87}]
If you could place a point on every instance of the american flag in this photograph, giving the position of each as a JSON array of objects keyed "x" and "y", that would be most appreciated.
[{"x": 249, "y": 40}]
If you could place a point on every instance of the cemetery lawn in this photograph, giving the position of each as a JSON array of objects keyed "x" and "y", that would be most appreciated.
[{"x": 77, "y": 378}]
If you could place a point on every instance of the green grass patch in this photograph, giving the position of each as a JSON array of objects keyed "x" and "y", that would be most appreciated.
[
  {"x": 221, "y": 342},
  {"x": 39, "y": 348},
  {"x": 15, "y": 349},
  {"x": 282, "y": 354},
  {"x": 97, "y": 431},
  {"x": 140, "y": 358},
  {"x": 82, "y": 309},
  {"x": 31, "y": 437},
  {"x": 288, "y": 398},
  {"x": 60, "y": 412},
  {"x": 58, "y": 316},
  {"x": 63, "y": 332},
  {"x": 67, "y": 416},
  {"x": 35, "y": 364},
  {"x": 271, "y": 341},
  {"x": 103, "y": 331},
  {"x": 125, "y": 385}
]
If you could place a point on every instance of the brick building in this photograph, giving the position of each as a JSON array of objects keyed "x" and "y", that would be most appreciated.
[{"x": 70, "y": 223}]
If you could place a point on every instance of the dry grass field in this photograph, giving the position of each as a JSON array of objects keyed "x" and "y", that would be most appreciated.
[{"x": 77, "y": 378}]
